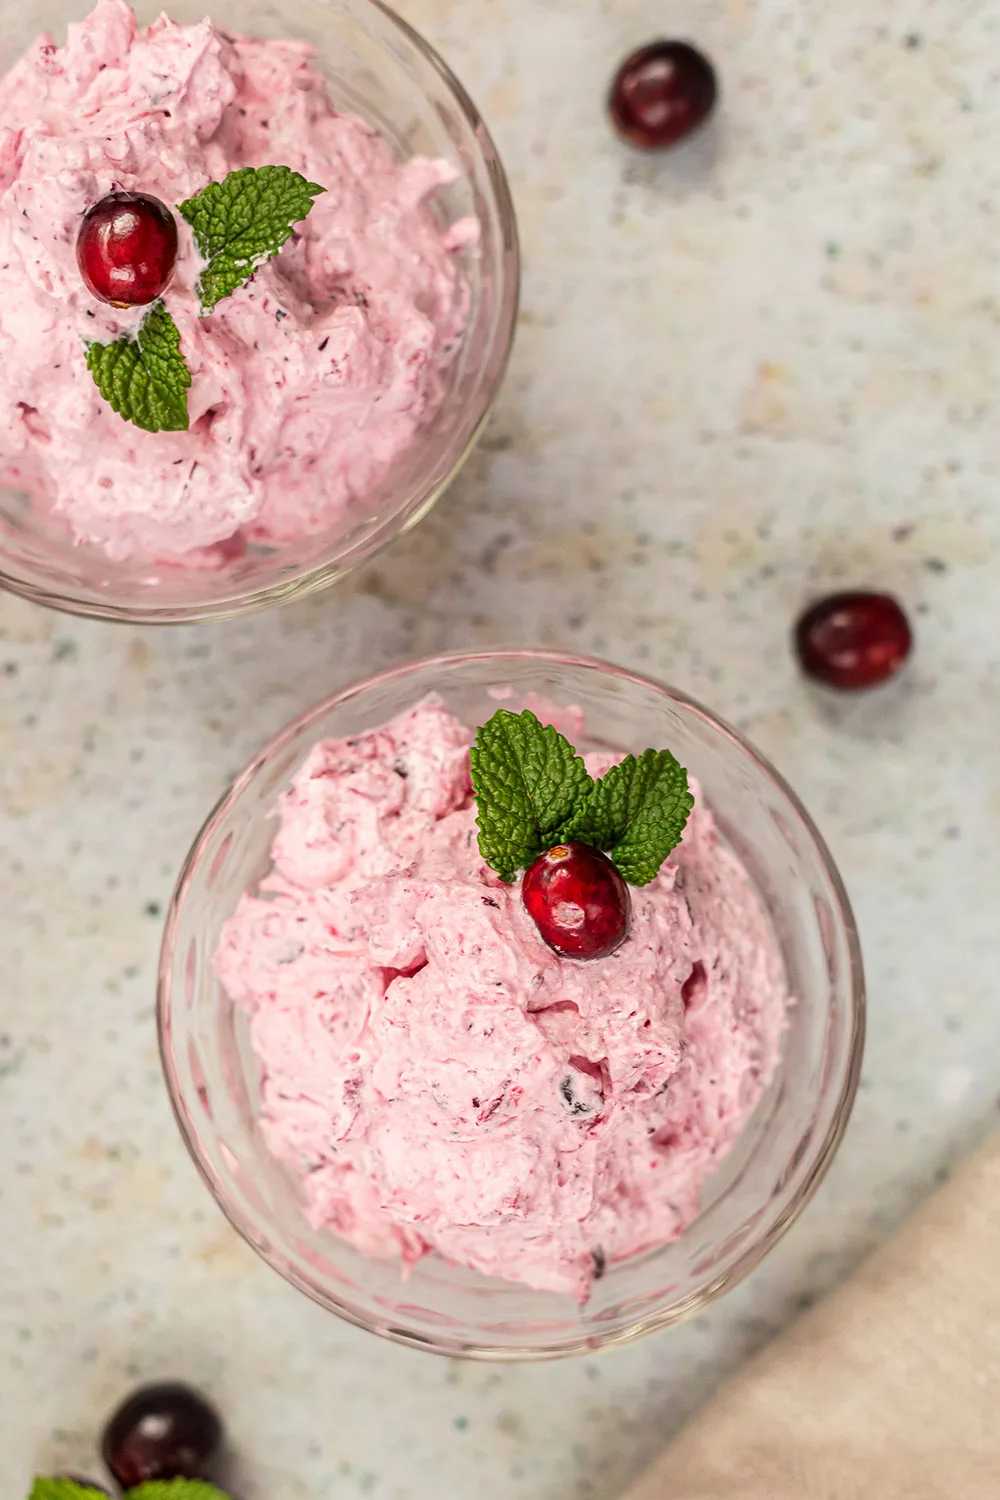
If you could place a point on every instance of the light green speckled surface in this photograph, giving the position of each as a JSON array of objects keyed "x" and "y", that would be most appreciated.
[{"x": 760, "y": 366}]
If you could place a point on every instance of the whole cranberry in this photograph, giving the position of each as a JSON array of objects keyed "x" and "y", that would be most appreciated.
[
  {"x": 127, "y": 249},
  {"x": 578, "y": 901},
  {"x": 661, "y": 94},
  {"x": 163, "y": 1431},
  {"x": 853, "y": 640}
]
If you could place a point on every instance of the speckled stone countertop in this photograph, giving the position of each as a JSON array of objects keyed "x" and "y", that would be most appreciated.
[{"x": 761, "y": 366}]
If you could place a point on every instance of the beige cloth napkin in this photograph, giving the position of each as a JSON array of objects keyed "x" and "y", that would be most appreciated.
[{"x": 887, "y": 1390}]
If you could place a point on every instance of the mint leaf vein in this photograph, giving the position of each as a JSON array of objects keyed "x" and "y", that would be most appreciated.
[
  {"x": 528, "y": 780},
  {"x": 145, "y": 378},
  {"x": 242, "y": 222}
]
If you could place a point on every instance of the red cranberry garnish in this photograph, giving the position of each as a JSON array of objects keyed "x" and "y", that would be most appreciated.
[
  {"x": 161, "y": 1432},
  {"x": 127, "y": 248},
  {"x": 853, "y": 640},
  {"x": 578, "y": 901},
  {"x": 661, "y": 94}
]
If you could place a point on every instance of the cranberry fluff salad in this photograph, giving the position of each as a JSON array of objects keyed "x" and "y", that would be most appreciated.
[
  {"x": 512, "y": 1006},
  {"x": 285, "y": 393}
]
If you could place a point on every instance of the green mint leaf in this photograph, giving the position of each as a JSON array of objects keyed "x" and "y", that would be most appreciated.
[
  {"x": 177, "y": 1489},
  {"x": 152, "y": 1489},
  {"x": 63, "y": 1489},
  {"x": 242, "y": 222},
  {"x": 599, "y": 819},
  {"x": 145, "y": 379},
  {"x": 637, "y": 811},
  {"x": 528, "y": 782}
]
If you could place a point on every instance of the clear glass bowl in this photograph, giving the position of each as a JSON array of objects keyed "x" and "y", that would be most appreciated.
[
  {"x": 380, "y": 69},
  {"x": 758, "y": 1190}
]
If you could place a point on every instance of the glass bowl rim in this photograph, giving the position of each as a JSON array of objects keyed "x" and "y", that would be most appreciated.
[
  {"x": 586, "y": 1342},
  {"x": 332, "y": 570}
]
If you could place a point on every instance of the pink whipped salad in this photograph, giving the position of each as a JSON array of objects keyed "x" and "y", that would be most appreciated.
[
  {"x": 307, "y": 383},
  {"x": 437, "y": 1077}
]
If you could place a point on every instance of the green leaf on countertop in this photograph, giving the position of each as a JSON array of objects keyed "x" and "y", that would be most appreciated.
[
  {"x": 145, "y": 378},
  {"x": 242, "y": 222},
  {"x": 637, "y": 812},
  {"x": 528, "y": 781}
]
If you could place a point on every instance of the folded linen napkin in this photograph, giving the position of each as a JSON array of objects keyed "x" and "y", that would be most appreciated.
[{"x": 887, "y": 1390}]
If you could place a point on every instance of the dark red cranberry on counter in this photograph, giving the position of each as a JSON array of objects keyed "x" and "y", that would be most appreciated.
[
  {"x": 161, "y": 1432},
  {"x": 661, "y": 94},
  {"x": 127, "y": 249},
  {"x": 578, "y": 901},
  {"x": 853, "y": 640}
]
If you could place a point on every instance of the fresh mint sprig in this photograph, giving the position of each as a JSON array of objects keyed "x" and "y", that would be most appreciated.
[
  {"x": 637, "y": 812},
  {"x": 177, "y": 1489},
  {"x": 533, "y": 792},
  {"x": 63, "y": 1489},
  {"x": 145, "y": 378},
  {"x": 242, "y": 222},
  {"x": 238, "y": 224},
  {"x": 528, "y": 781},
  {"x": 153, "y": 1489}
]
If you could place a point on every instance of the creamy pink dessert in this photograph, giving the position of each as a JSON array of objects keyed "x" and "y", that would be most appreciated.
[
  {"x": 438, "y": 1078},
  {"x": 307, "y": 383}
]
